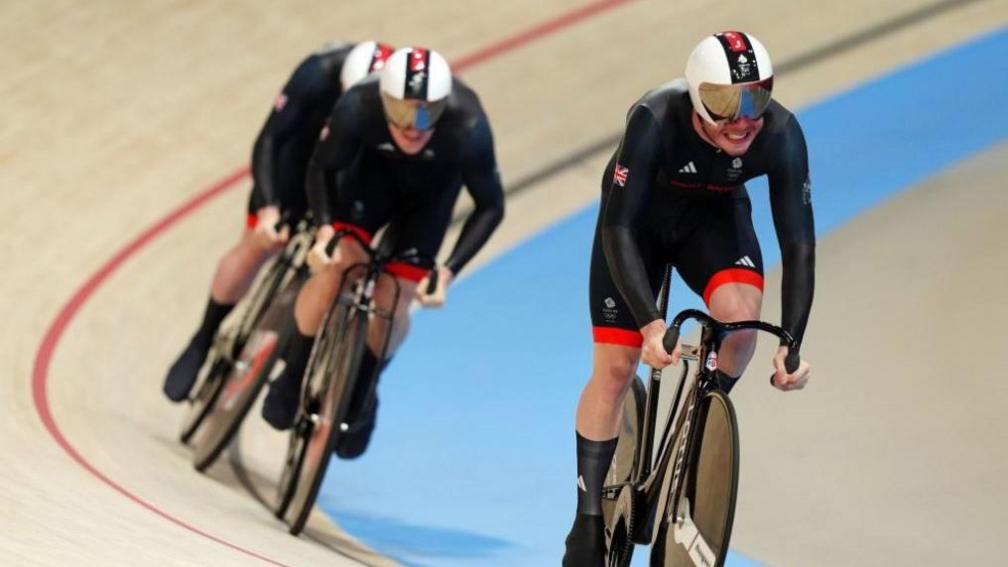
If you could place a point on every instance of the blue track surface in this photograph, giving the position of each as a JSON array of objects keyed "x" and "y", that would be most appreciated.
[{"x": 473, "y": 460}]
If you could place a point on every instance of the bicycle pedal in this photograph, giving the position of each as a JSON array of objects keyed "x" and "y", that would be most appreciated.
[{"x": 303, "y": 426}]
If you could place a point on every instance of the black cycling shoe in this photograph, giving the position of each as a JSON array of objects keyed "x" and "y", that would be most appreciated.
[
  {"x": 182, "y": 374},
  {"x": 354, "y": 442},
  {"x": 586, "y": 542},
  {"x": 281, "y": 403}
]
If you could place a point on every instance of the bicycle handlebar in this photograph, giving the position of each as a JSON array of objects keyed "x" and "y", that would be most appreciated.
[
  {"x": 375, "y": 256},
  {"x": 672, "y": 334},
  {"x": 432, "y": 281}
]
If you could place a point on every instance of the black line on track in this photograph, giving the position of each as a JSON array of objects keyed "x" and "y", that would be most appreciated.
[
  {"x": 870, "y": 34},
  {"x": 242, "y": 476},
  {"x": 576, "y": 157},
  {"x": 802, "y": 61}
]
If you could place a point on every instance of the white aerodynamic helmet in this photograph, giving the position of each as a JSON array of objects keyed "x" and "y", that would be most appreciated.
[
  {"x": 365, "y": 58},
  {"x": 415, "y": 85},
  {"x": 730, "y": 77}
]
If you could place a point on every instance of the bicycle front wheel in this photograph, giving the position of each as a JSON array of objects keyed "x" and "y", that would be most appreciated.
[
  {"x": 696, "y": 527},
  {"x": 239, "y": 390},
  {"x": 321, "y": 426},
  {"x": 207, "y": 388},
  {"x": 230, "y": 344},
  {"x": 277, "y": 273}
]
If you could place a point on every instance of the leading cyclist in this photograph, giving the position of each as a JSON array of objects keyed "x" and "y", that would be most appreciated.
[{"x": 673, "y": 193}]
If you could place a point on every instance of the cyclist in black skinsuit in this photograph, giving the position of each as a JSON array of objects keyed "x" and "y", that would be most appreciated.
[
  {"x": 398, "y": 149},
  {"x": 279, "y": 159},
  {"x": 674, "y": 193}
]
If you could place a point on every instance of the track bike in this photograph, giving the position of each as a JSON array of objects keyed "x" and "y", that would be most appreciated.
[
  {"x": 681, "y": 497},
  {"x": 332, "y": 375},
  {"x": 245, "y": 355}
]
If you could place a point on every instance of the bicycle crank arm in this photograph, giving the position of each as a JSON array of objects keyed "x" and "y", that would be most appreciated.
[{"x": 686, "y": 534}]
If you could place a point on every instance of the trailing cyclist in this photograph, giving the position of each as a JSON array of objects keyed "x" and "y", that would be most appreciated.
[
  {"x": 279, "y": 159},
  {"x": 674, "y": 192},
  {"x": 397, "y": 149}
]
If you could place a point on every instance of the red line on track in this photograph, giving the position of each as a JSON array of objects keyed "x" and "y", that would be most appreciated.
[
  {"x": 59, "y": 325},
  {"x": 546, "y": 28}
]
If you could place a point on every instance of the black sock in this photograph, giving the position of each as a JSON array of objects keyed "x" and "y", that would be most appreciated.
[
  {"x": 724, "y": 381},
  {"x": 367, "y": 369},
  {"x": 215, "y": 313},
  {"x": 296, "y": 357},
  {"x": 593, "y": 460}
]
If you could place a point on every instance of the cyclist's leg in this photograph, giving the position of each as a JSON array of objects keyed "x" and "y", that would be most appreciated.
[
  {"x": 364, "y": 404},
  {"x": 235, "y": 272},
  {"x": 313, "y": 300},
  {"x": 616, "y": 355},
  {"x": 384, "y": 292},
  {"x": 736, "y": 301},
  {"x": 721, "y": 261},
  {"x": 319, "y": 291},
  {"x": 419, "y": 228},
  {"x": 238, "y": 266},
  {"x": 364, "y": 202},
  {"x": 363, "y": 211}
]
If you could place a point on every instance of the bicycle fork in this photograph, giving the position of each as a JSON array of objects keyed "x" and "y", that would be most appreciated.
[{"x": 363, "y": 301}]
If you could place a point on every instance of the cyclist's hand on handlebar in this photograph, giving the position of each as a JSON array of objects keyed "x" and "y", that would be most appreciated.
[
  {"x": 653, "y": 352},
  {"x": 265, "y": 232},
  {"x": 784, "y": 381},
  {"x": 317, "y": 257},
  {"x": 436, "y": 298}
]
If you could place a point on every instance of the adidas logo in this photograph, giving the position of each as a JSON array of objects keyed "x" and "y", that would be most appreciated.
[
  {"x": 745, "y": 261},
  {"x": 688, "y": 168}
]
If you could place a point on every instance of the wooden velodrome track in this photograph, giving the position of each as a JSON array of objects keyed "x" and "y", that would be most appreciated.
[{"x": 117, "y": 113}]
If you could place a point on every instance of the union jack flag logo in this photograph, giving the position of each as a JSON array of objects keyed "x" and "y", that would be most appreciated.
[
  {"x": 620, "y": 175},
  {"x": 735, "y": 41},
  {"x": 417, "y": 61}
]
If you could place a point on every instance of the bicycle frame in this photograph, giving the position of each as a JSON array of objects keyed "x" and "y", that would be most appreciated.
[
  {"x": 293, "y": 253},
  {"x": 315, "y": 394},
  {"x": 648, "y": 468},
  {"x": 361, "y": 299}
]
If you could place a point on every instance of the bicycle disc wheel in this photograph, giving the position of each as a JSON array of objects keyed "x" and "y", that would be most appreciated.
[
  {"x": 239, "y": 391},
  {"x": 323, "y": 426},
  {"x": 207, "y": 389},
  {"x": 701, "y": 531}
]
